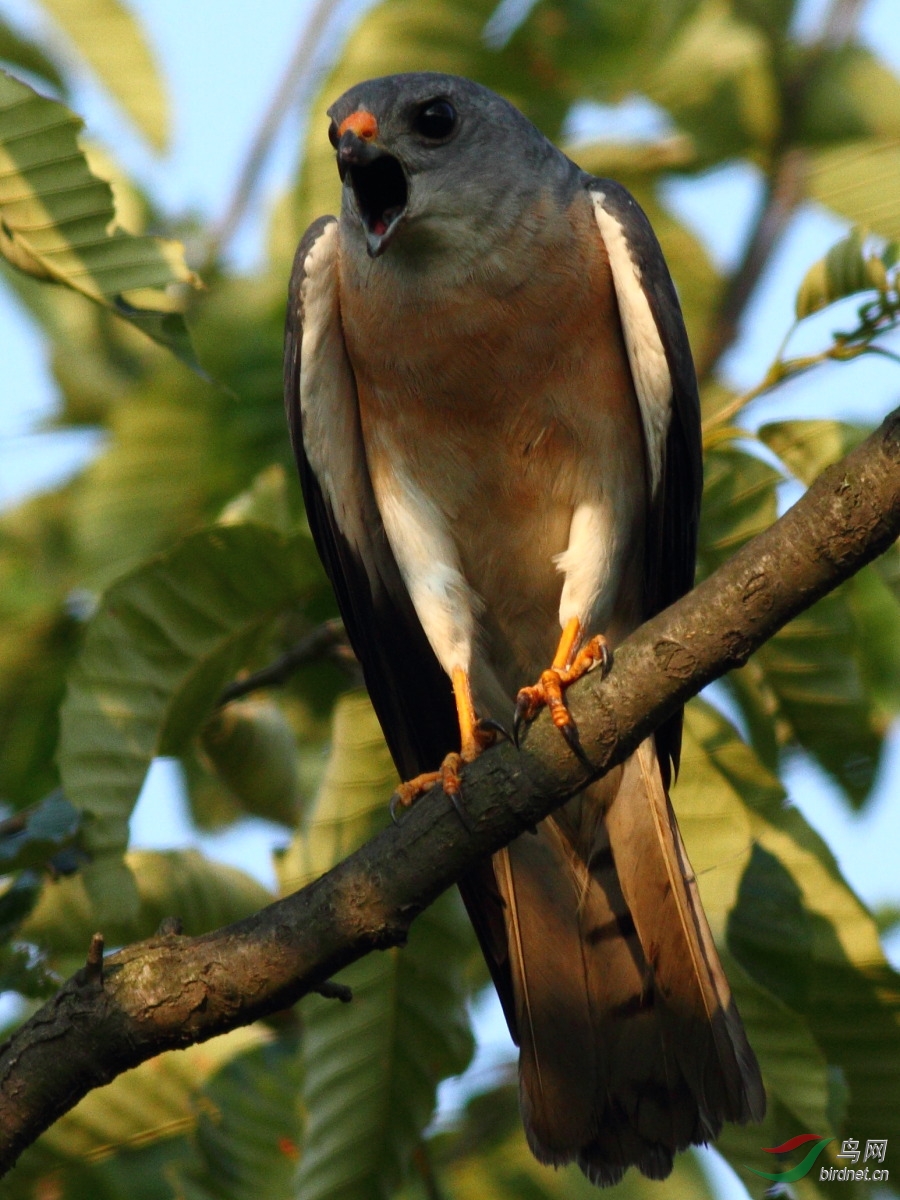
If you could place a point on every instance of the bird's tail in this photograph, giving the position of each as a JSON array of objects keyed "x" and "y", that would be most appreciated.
[{"x": 631, "y": 1044}]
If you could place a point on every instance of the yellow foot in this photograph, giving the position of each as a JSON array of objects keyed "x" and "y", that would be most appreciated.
[
  {"x": 475, "y": 736},
  {"x": 413, "y": 789},
  {"x": 567, "y": 667}
]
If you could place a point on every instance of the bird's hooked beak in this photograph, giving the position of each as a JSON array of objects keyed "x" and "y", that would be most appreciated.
[{"x": 376, "y": 177}]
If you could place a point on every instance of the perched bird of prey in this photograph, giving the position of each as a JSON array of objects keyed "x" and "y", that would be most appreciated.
[{"x": 494, "y": 412}]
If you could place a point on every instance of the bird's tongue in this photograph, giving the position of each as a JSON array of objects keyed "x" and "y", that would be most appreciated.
[{"x": 380, "y": 223}]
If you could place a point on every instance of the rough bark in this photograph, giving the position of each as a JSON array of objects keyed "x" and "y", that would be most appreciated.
[{"x": 172, "y": 990}]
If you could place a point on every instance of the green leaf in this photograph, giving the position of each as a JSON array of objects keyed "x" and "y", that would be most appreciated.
[
  {"x": 476, "y": 1167},
  {"x": 39, "y": 633},
  {"x": 806, "y": 685},
  {"x": 794, "y": 1066},
  {"x": 876, "y": 615},
  {"x": 888, "y": 568},
  {"x": 33, "y": 837},
  {"x": 716, "y": 80},
  {"x": 20, "y": 52},
  {"x": 36, "y": 650},
  {"x": 849, "y": 94},
  {"x": 23, "y": 969},
  {"x": 808, "y": 447},
  {"x": 265, "y": 502},
  {"x": 739, "y": 501},
  {"x": 249, "y": 1131},
  {"x": 773, "y": 891},
  {"x": 352, "y": 801},
  {"x": 16, "y": 901},
  {"x": 125, "y": 507},
  {"x": 844, "y": 271},
  {"x": 204, "y": 894},
  {"x": 160, "y": 1101},
  {"x": 251, "y": 747},
  {"x": 720, "y": 786},
  {"x": 111, "y": 40},
  {"x": 887, "y": 917},
  {"x": 373, "y": 1066},
  {"x": 856, "y": 180},
  {"x": 773, "y": 17},
  {"x": 59, "y": 222},
  {"x": 814, "y": 686},
  {"x": 163, "y": 643}
]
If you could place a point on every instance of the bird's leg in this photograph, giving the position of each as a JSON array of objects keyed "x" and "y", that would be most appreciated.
[
  {"x": 474, "y": 736},
  {"x": 570, "y": 662}
]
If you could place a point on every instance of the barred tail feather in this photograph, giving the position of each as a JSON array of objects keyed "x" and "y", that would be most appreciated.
[{"x": 631, "y": 1047}]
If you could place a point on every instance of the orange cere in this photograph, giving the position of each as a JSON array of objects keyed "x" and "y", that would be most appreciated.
[{"x": 362, "y": 123}]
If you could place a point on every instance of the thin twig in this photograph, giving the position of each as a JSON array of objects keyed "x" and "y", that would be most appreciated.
[
  {"x": 328, "y": 638},
  {"x": 285, "y": 94},
  {"x": 785, "y": 190},
  {"x": 783, "y": 370},
  {"x": 425, "y": 1171}
]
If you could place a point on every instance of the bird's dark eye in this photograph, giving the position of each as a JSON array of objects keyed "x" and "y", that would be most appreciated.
[
  {"x": 333, "y": 134},
  {"x": 435, "y": 120}
]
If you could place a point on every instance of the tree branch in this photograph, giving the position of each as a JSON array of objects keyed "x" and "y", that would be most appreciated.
[
  {"x": 287, "y": 91},
  {"x": 327, "y": 639},
  {"x": 784, "y": 191},
  {"x": 171, "y": 991}
]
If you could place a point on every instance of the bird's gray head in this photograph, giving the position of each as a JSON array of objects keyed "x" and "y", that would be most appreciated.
[{"x": 437, "y": 162}]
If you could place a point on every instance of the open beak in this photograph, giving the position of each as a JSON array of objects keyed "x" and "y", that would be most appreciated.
[{"x": 379, "y": 187}]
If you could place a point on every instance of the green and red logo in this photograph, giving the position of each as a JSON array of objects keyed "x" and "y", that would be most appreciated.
[{"x": 817, "y": 1144}]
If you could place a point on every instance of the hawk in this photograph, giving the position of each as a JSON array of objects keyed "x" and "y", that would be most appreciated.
[{"x": 494, "y": 412}]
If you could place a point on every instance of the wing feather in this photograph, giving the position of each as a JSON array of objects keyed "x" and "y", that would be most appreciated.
[
  {"x": 409, "y": 690},
  {"x": 666, "y": 384}
]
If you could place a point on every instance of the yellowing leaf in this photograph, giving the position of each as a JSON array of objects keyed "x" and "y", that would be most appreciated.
[
  {"x": 158, "y": 1102},
  {"x": 58, "y": 222},
  {"x": 182, "y": 883},
  {"x": 617, "y": 159},
  {"x": 111, "y": 40},
  {"x": 858, "y": 180},
  {"x": 808, "y": 447},
  {"x": 774, "y": 894},
  {"x": 845, "y": 270},
  {"x": 718, "y": 65}
]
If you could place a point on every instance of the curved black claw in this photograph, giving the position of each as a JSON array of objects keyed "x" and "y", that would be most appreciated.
[
  {"x": 522, "y": 706},
  {"x": 459, "y": 808},
  {"x": 397, "y": 807},
  {"x": 570, "y": 733},
  {"x": 489, "y": 725}
]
